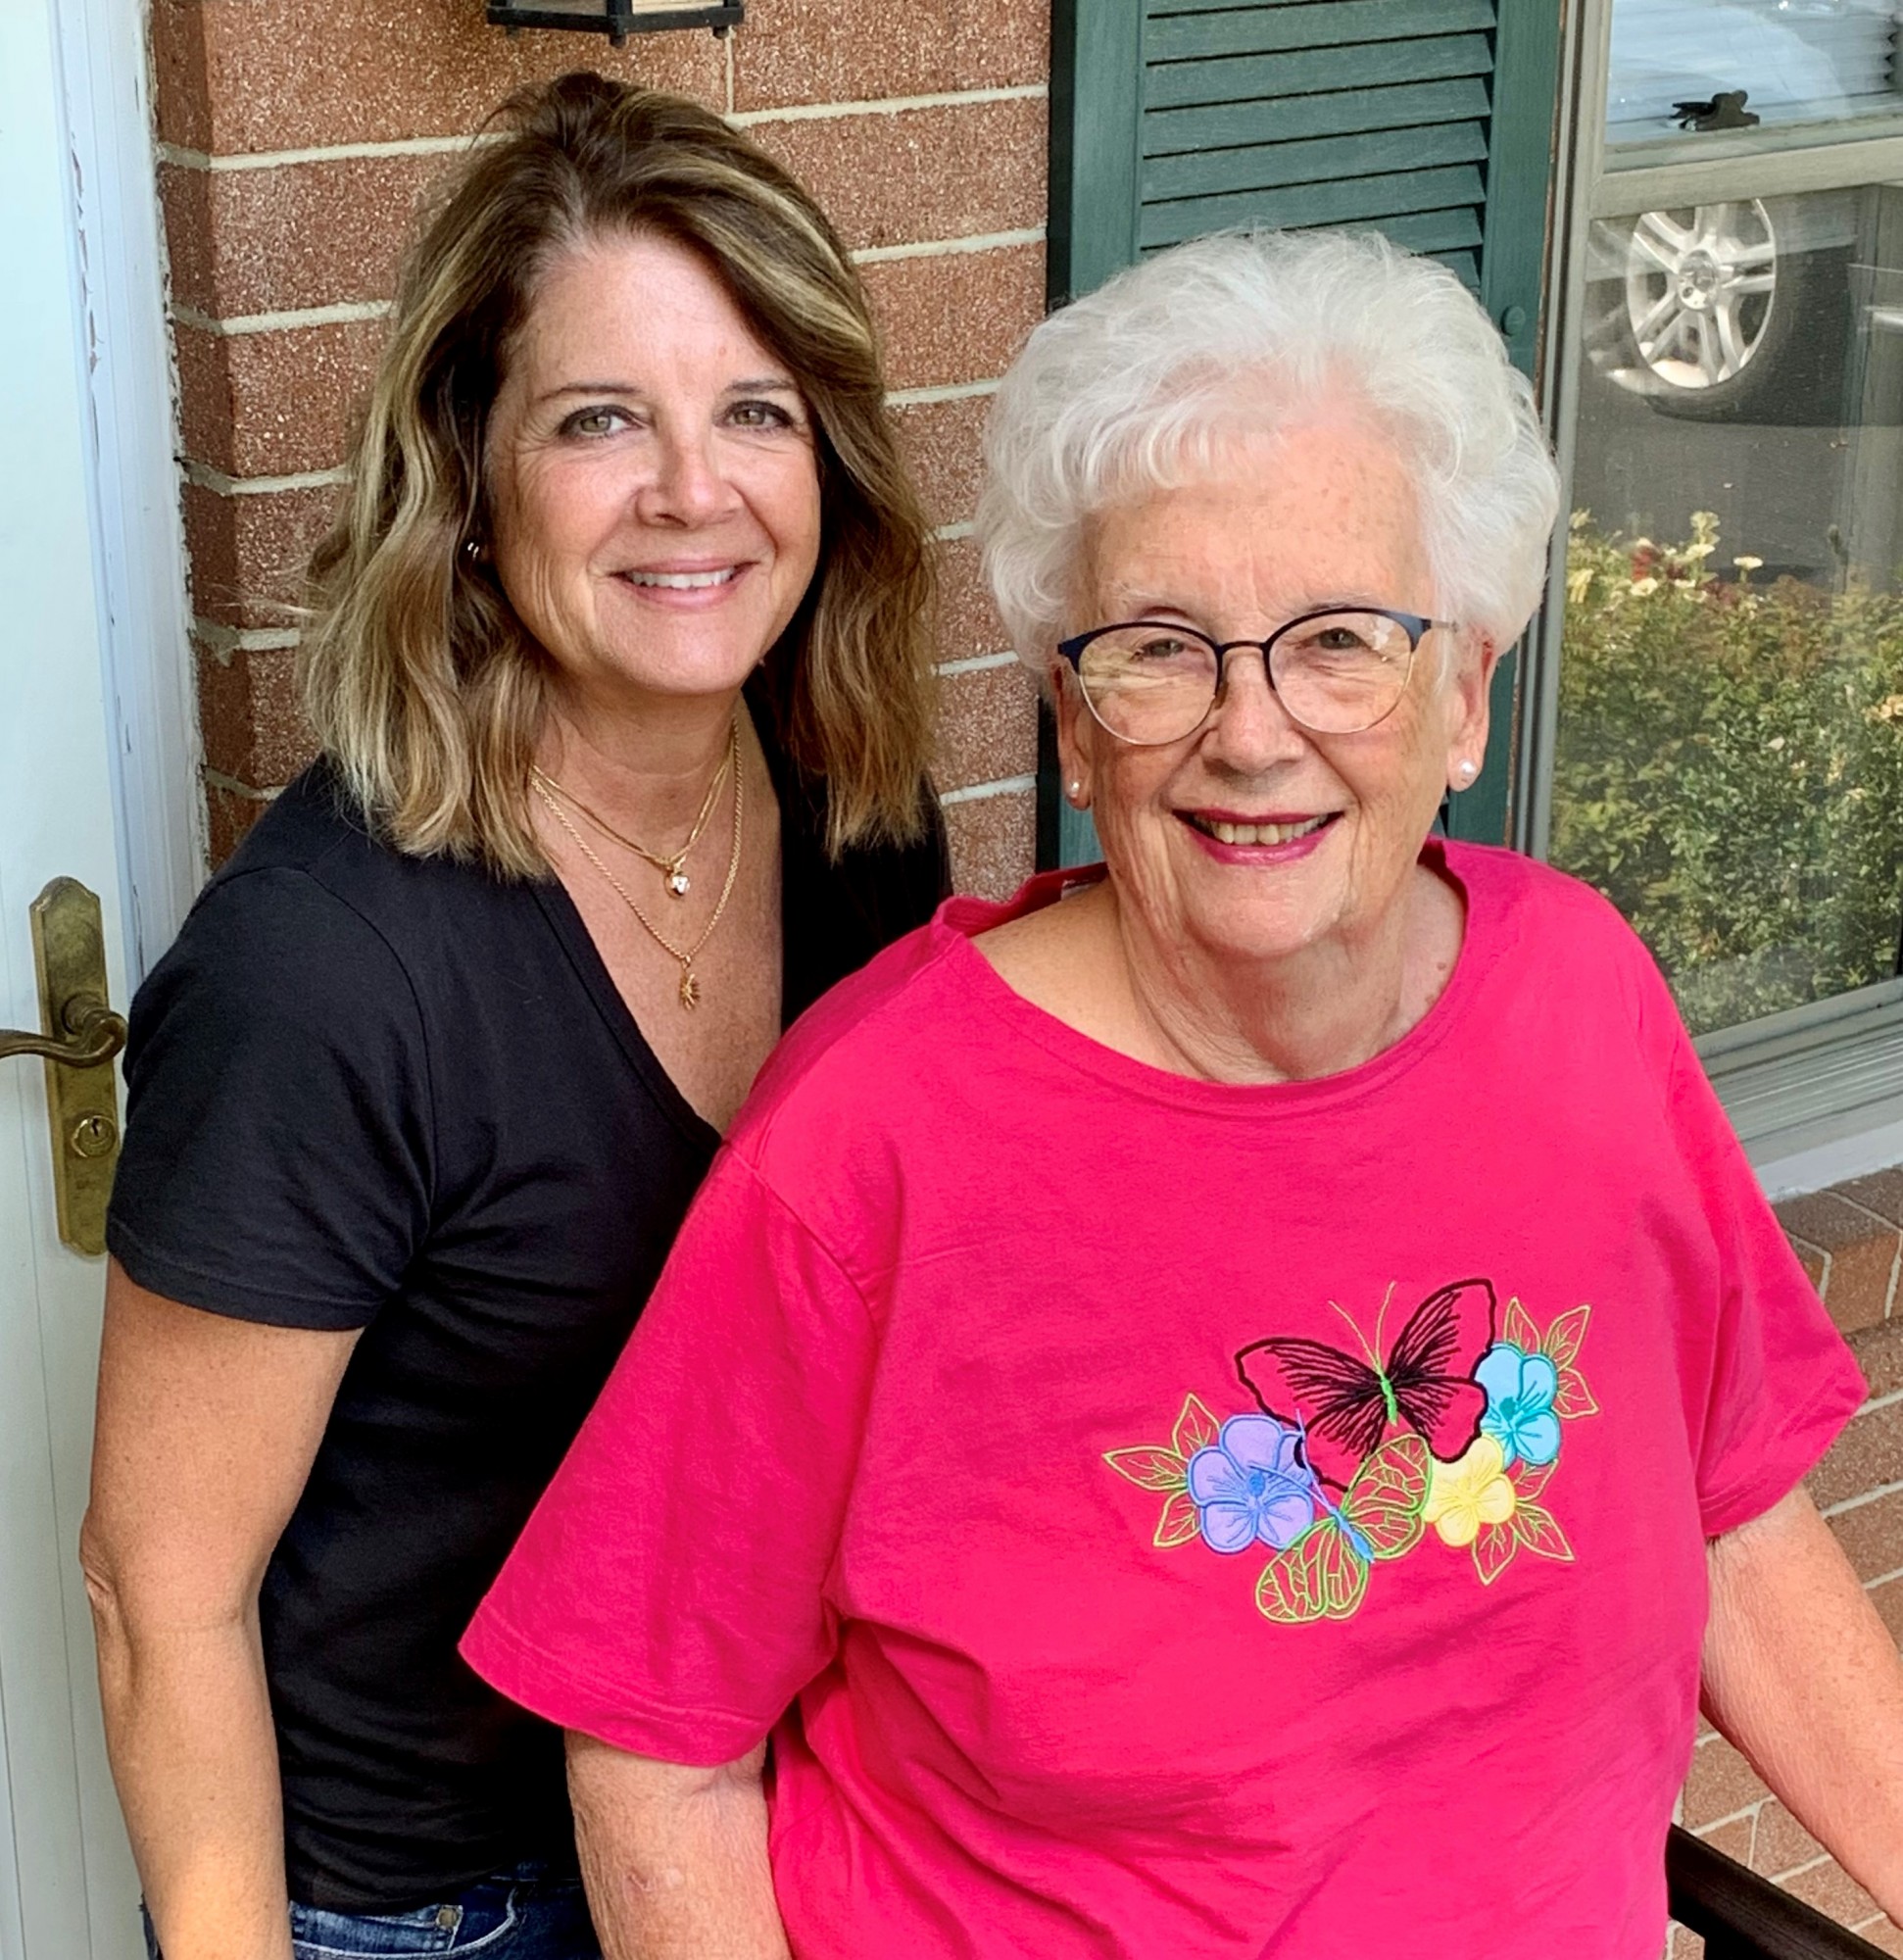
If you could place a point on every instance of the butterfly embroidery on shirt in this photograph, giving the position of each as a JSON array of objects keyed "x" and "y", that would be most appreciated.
[
  {"x": 1350, "y": 1458},
  {"x": 1347, "y": 1403}
]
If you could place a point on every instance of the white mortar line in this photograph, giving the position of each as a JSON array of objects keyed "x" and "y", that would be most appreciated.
[
  {"x": 185, "y": 157},
  {"x": 944, "y": 391},
  {"x": 224, "y": 641},
  {"x": 343, "y": 312},
  {"x": 974, "y": 792},
  {"x": 1876, "y": 1402},
  {"x": 945, "y": 248},
  {"x": 1861, "y": 1498},
  {"x": 1750, "y": 1810},
  {"x": 329, "y": 153},
  {"x": 887, "y": 105},
  {"x": 208, "y": 478},
  {"x": 974, "y": 664},
  {"x": 1882, "y": 1579},
  {"x": 1798, "y": 1870},
  {"x": 950, "y": 534},
  {"x": 219, "y": 780},
  {"x": 348, "y": 312}
]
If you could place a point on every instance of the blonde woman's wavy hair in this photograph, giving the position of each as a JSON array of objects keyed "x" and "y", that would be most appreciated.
[{"x": 424, "y": 687}]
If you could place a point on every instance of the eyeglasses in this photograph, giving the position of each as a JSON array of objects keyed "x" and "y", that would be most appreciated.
[{"x": 1334, "y": 674}]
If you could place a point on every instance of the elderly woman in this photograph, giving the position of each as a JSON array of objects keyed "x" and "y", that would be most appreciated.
[
  {"x": 618, "y": 663},
  {"x": 1227, "y": 1406}
]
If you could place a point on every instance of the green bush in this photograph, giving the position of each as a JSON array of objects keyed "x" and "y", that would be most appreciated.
[{"x": 1730, "y": 769}]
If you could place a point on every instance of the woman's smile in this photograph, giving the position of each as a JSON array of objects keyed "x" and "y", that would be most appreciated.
[
  {"x": 688, "y": 588},
  {"x": 1258, "y": 840}
]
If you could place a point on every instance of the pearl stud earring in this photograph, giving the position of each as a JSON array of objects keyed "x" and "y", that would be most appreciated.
[{"x": 1468, "y": 768}]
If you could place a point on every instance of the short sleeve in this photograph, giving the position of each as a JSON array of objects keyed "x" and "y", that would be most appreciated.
[
  {"x": 1782, "y": 1383},
  {"x": 669, "y": 1594},
  {"x": 276, "y": 1164}
]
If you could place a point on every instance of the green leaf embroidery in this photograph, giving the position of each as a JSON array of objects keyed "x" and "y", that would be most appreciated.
[
  {"x": 1573, "y": 1398},
  {"x": 1149, "y": 1466},
  {"x": 1566, "y": 1335},
  {"x": 1530, "y": 1479},
  {"x": 1539, "y": 1531},
  {"x": 1384, "y": 1502},
  {"x": 1178, "y": 1523},
  {"x": 1494, "y": 1551},
  {"x": 1519, "y": 1328},
  {"x": 1317, "y": 1578},
  {"x": 1195, "y": 1429}
]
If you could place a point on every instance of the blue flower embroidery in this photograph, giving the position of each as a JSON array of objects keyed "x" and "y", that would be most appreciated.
[
  {"x": 1251, "y": 1484},
  {"x": 1520, "y": 1392}
]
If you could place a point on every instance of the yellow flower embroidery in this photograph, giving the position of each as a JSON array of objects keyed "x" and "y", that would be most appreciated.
[{"x": 1464, "y": 1496}]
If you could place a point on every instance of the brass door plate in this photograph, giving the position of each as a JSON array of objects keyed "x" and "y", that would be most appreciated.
[{"x": 70, "y": 959}]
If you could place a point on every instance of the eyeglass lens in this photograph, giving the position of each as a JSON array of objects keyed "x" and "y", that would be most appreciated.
[{"x": 1338, "y": 673}]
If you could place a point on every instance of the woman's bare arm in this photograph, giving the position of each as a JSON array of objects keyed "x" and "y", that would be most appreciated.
[
  {"x": 207, "y": 1427},
  {"x": 675, "y": 1858},
  {"x": 1801, "y": 1674}
]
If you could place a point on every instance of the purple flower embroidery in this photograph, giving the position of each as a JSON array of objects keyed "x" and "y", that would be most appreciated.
[{"x": 1251, "y": 1484}]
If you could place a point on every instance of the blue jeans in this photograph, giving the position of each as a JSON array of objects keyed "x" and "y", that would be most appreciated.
[{"x": 518, "y": 1915}]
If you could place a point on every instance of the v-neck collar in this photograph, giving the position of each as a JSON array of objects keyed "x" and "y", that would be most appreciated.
[{"x": 562, "y": 913}]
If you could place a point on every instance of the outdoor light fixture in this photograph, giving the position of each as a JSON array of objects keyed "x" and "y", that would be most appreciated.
[{"x": 617, "y": 19}]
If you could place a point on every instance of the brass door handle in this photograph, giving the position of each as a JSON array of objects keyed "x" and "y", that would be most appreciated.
[
  {"x": 95, "y": 1034},
  {"x": 80, "y": 1036}
]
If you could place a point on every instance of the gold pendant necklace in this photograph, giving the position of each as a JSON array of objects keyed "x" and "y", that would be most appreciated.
[
  {"x": 674, "y": 876},
  {"x": 690, "y": 986}
]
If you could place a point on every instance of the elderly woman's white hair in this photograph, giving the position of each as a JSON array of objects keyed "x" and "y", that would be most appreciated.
[{"x": 1133, "y": 387}]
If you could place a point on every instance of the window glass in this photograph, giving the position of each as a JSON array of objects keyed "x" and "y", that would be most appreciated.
[
  {"x": 1729, "y": 759},
  {"x": 1697, "y": 66}
]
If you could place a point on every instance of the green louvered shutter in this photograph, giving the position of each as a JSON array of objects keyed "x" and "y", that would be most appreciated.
[{"x": 1429, "y": 121}]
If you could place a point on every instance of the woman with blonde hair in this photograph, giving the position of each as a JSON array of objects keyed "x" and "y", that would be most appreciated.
[{"x": 617, "y": 662}]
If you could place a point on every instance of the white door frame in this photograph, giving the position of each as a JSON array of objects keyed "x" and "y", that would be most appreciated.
[{"x": 119, "y": 285}]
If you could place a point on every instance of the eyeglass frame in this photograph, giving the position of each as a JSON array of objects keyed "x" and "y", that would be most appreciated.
[{"x": 1414, "y": 624}]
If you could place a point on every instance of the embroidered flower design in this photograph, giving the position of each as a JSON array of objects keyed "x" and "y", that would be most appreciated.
[
  {"x": 1473, "y": 1491},
  {"x": 1520, "y": 1390},
  {"x": 1256, "y": 1478},
  {"x": 1251, "y": 1484}
]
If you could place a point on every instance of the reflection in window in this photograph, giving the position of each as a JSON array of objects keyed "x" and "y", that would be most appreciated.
[
  {"x": 1793, "y": 61},
  {"x": 1729, "y": 761}
]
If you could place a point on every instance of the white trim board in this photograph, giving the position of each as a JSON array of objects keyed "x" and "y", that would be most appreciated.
[{"x": 119, "y": 275}]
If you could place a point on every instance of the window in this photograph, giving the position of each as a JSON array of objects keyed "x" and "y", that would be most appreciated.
[{"x": 1716, "y": 735}]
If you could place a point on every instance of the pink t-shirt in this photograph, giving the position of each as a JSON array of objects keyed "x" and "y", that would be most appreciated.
[{"x": 1163, "y": 1518}]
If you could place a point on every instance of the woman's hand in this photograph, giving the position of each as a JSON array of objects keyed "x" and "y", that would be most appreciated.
[
  {"x": 206, "y": 1430},
  {"x": 674, "y": 1857},
  {"x": 1801, "y": 1674}
]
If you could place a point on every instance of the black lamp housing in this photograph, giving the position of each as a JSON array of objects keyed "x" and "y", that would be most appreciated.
[{"x": 617, "y": 19}]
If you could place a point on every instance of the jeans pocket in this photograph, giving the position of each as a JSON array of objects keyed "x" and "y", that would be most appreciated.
[{"x": 317, "y": 1934}]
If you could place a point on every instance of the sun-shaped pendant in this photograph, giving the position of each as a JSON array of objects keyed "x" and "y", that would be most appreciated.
[{"x": 690, "y": 988}]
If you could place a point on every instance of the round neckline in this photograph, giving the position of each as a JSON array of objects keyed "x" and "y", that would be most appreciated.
[{"x": 1090, "y": 1056}]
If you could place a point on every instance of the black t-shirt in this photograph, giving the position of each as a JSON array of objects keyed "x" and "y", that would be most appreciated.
[{"x": 378, "y": 1092}]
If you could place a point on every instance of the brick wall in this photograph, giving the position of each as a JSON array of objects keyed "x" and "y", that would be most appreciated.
[
  {"x": 1851, "y": 1241},
  {"x": 296, "y": 140}
]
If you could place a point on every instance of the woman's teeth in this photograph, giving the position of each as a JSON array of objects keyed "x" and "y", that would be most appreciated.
[
  {"x": 683, "y": 581},
  {"x": 1257, "y": 833}
]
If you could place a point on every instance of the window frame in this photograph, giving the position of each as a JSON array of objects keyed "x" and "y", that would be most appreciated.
[{"x": 1828, "y": 1071}]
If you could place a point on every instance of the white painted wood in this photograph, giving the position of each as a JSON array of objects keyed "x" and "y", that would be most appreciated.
[
  {"x": 67, "y": 1890},
  {"x": 133, "y": 488}
]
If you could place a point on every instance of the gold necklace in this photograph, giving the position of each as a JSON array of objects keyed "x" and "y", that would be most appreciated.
[
  {"x": 677, "y": 880},
  {"x": 690, "y": 986}
]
